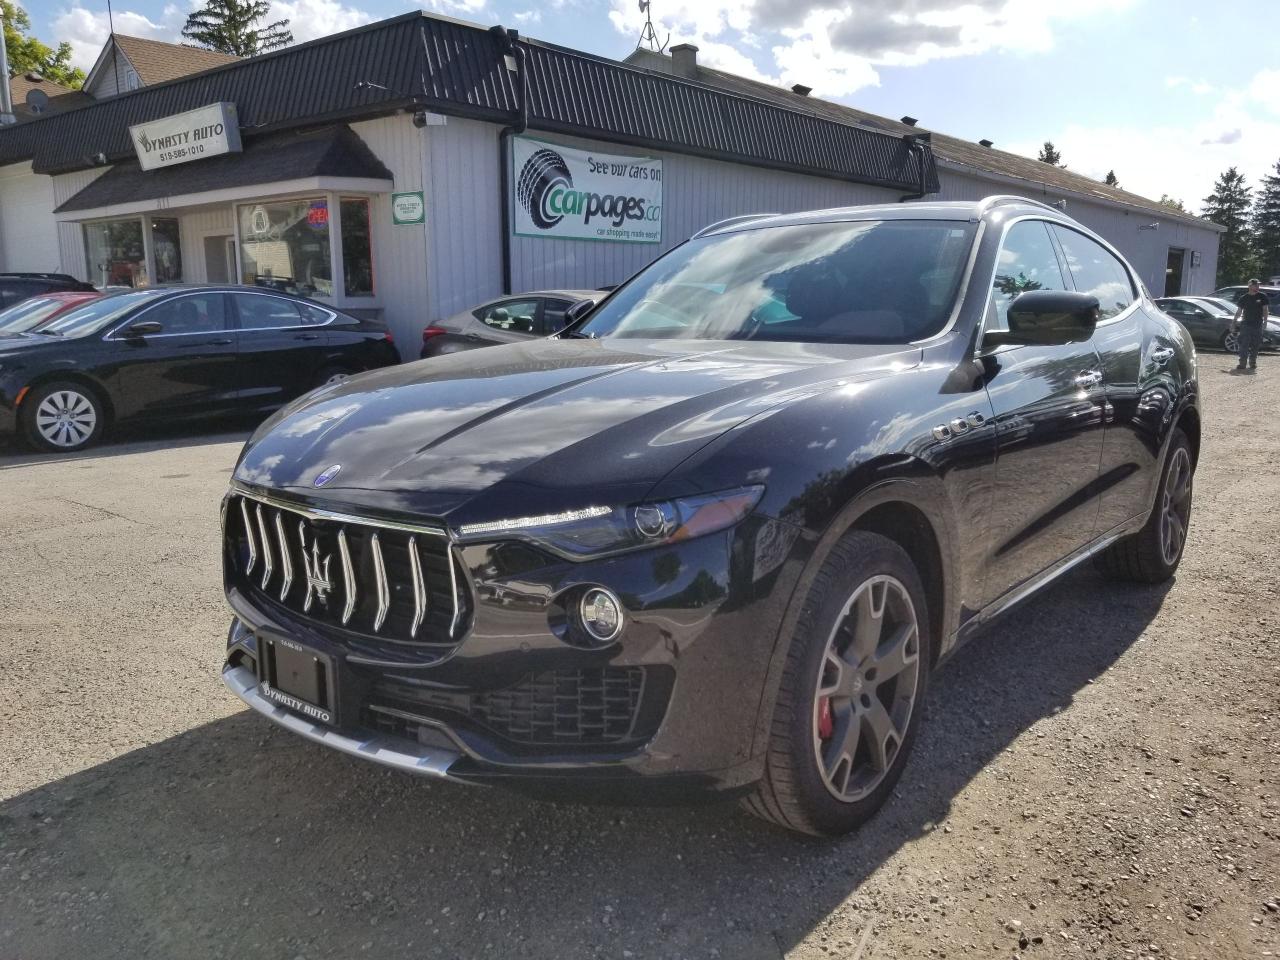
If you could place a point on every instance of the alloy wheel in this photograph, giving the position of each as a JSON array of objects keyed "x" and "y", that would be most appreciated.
[
  {"x": 1231, "y": 341},
  {"x": 1175, "y": 506},
  {"x": 66, "y": 418},
  {"x": 867, "y": 687}
]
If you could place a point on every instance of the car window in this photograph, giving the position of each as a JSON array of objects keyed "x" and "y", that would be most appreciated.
[
  {"x": 513, "y": 316},
  {"x": 313, "y": 316},
  {"x": 1096, "y": 272},
  {"x": 553, "y": 311},
  {"x": 198, "y": 313},
  {"x": 259, "y": 312},
  {"x": 99, "y": 314},
  {"x": 1027, "y": 261}
]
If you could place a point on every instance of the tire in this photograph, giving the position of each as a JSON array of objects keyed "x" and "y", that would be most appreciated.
[
  {"x": 1230, "y": 341},
  {"x": 814, "y": 781},
  {"x": 63, "y": 417},
  {"x": 1153, "y": 553},
  {"x": 542, "y": 172},
  {"x": 331, "y": 374}
]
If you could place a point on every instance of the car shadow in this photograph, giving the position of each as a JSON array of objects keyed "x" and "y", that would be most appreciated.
[
  {"x": 137, "y": 438},
  {"x": 237, "y": 839}
]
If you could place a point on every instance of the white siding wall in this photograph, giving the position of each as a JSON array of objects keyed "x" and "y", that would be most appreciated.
[
  {"x": 113, "y": 78},
  {"x": 194, "y": 227},
  {"x": 28, "y": 235},
  {"x": 71, "y": 235},
  {"x": 400, "y": 258},
  {"x": 1146, "y": 250}
]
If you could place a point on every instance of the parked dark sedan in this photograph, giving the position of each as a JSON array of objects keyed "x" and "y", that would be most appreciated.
[
  {"x": 719, "y": 535},
  {"x": 512, "y": 319},
  {"x": 174, "y": 352},
  {"x": 1210, "y": 321}
]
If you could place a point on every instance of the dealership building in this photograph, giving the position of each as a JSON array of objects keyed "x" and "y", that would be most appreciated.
[{"x": 417, "y": 166}]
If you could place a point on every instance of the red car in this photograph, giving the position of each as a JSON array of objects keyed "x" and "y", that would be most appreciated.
[{"x": 35, "y": 312}]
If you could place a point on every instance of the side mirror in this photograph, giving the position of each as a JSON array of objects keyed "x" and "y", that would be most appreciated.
[
  {"x": 143, "y": 328},
  {"x": 1046, "y": 318},
  {"x": 577, "y": 310}
]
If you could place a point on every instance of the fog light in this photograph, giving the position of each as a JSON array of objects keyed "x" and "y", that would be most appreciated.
[{"x": 601, "y": 614}]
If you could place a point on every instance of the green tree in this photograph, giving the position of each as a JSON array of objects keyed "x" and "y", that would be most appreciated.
[
  {"x": 1050, "y": 155},
  {"x": 233, "y": 26},
  {"x": 1112, "y": 180},
  {"x": 27, "y": 54},
  {"x": 1266, "y": 223},
  {"x": 1172, "y": 203},
  {"x": 1228, "y": 205}
]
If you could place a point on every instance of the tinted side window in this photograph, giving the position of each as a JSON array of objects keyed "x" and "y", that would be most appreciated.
[
  {"x": 257, "y": 311},
  {"x": 553, "y": 314},
  {"x": 199, "y": 313},
  {"x": 1097, "y": 272},
  {"x": 313, "y": 316},
  {"x": 1027, "y": 261},
  {"x": 514, "y": 316}
]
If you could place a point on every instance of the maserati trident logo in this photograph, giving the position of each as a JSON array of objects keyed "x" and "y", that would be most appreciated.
[
  {"x": 318, "y": 584},
  {"x": 327, "y": 474}
]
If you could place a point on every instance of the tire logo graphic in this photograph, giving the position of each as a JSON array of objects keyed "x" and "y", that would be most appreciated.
[{"x": 542, "y": 173}]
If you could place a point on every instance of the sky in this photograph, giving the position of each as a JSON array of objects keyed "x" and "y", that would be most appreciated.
[{"x": 1134, "y": 86}]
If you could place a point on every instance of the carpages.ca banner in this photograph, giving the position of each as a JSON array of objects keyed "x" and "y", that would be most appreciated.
[{"x": 584, "y": 195}]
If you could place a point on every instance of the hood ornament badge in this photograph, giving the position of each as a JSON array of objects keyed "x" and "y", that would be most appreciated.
[
  {"x": 327, "y": 474},
  {"x": 318, "y": 583}
]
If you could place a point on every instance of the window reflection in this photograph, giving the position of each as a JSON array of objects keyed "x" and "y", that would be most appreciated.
[{"x": 284, "y": 245}]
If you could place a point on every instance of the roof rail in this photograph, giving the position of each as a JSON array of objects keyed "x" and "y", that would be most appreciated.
[
  {"x": 998, "y": 199},
  {"x": 730, "y": 222}
]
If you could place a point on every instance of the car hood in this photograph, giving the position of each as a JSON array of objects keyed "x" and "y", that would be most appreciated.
[
  {"x": 529, "y": 423},
  {"x": 12, "y": 344}
]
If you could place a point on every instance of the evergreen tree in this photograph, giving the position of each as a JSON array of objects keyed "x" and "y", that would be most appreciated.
[
  {"x": 1050, "y": 155},
  {"x": 232, "y": 26},
  {"x": 1228, "y": 206},
  {"x": 1266, "y": 224},
  {"x": 1112, "y": 180},
  {"x": 1172, "y": 202},
  {"x": 27, "y": 54}
]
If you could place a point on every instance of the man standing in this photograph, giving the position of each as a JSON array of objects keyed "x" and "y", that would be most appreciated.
[{"x": 1251, "y": 315}]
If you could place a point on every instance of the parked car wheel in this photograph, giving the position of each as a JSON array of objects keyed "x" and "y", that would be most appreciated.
[
  {"x": 1230, "y": 341},
  {"x": 1152, "y": 554},
  {"x": 63, "y": 417},
  {"x": 848, "y": 708}
]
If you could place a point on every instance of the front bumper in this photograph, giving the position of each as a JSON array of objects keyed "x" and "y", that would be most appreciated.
[{"x": 517, "y": 701}]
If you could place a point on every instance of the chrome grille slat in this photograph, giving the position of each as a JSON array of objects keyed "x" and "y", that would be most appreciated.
[
  {"x": 380, "y": 576},
  {"x": 286, "y": 559},
  {"x": 267, "y": 565},
  {"x": 399, "y": 581},
  {"x": 419, "y": 587},
  {"x": 348, "y": 577},
  {"x": 249, "y": 538}
]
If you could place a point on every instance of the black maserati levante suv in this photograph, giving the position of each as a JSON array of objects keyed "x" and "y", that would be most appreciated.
[
  {"x": 175, "y": 352},
  {"x": 719, "y": 532}
]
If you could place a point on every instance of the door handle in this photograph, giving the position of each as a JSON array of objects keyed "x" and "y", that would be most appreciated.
[
  {"x": 307, "y": 336},
  {"x": 1161, "y": 355},
  {"x": 1089, "y": 378},
  {"x": 225, "y": 341}
]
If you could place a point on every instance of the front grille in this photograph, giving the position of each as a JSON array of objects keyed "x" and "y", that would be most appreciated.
[
  {"x": 358, "y": 575},
  {"x": 580, "y": 707}
]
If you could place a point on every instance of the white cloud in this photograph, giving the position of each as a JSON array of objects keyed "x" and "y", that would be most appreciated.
[
  {"x": 87, "y": 30},
  {"x": 528, "y": 16},
  {"x": 309, "y": 19},
  {"x": 454, "y": 8}
]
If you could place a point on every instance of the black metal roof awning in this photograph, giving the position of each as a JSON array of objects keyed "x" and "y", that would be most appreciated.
[
  {"x": 333, "y": 151},
  {"x": 425, "y": 62}
]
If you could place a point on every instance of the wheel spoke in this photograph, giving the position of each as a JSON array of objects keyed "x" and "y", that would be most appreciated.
[
  {"x": 895, "y": 654},
  {"x": 868, "y": 622},
  {"x": 832, "y": 673},
  {"x": 881, "y": 736},
  {"x": 839, "y": 751}
]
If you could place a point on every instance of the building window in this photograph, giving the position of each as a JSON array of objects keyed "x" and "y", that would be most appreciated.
[
  {"x": 284, "y": 245},
  {"x": 357, "y": 250},
  {"x": 131, "y": 81},
  {"x": 166, "y": 250},
  {"x": 117, "y": 255}
]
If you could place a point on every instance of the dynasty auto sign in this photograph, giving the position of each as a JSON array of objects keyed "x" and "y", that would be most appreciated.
[
  {"x": 183, "y": 137},
  {"x": 584, "y": 195}
]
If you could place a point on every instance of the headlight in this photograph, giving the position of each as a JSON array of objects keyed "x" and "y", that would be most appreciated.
[{"x": 599, "y": 530}]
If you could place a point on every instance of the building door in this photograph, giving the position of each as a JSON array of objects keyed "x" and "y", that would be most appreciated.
[
  {"x": 1173, "y": 272},
  {"x": 219, "y": 259}
]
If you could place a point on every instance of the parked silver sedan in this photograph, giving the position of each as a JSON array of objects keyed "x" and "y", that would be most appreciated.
[
  {"x": 1209, "y": 321},
  {"x": 510, "y": 319}
]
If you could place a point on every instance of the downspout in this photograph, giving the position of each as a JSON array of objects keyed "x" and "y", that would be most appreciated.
[
  {"x": 916, "y": 144},
  {"x": 513, "y": 58}
]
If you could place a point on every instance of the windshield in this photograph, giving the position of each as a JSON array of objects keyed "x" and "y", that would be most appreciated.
[
  {"x": 25, "y": 315},
  {"x": 867, "y": 281},
  {"x": 93, "y": 316},
  {"x": 1215, "y": 306}
]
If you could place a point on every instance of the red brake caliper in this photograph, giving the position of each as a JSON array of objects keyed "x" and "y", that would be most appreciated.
[{"x": 826, "y": 723}]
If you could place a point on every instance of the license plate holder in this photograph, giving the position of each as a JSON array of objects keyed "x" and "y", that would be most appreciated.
[{"x": 299, "y": 678}]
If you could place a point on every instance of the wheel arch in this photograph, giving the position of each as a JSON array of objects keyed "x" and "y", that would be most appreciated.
[
  {"x": 76, "y": 377},
  {"x": 1189, "y": 423}
]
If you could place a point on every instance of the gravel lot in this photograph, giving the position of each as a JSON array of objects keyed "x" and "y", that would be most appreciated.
[{"x": 1100, "y": 773}]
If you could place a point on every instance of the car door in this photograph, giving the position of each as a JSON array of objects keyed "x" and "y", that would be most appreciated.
[
  {"x": 1131, "y": 365},
  {"x": 1047, "y": 405},
  {"x": 185, "y": 368},
  {"x": 283, "y": 345},
  {"x": 505, "y": 321}
]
